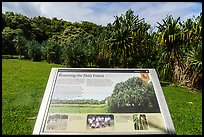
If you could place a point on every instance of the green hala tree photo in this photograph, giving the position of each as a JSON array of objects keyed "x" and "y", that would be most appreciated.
[{"x": 133, "y": 95}]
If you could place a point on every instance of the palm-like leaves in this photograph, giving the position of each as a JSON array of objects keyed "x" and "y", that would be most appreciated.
[
  {"x": 34, "y": 50},
  {"x": 194, "y": 58},
  {"x": 170, "y": 42},
  {"x": 20, "y": 42},
  {"x": 194, "y": 62},
  {"x": 180, "y": 56},
  {"x": 129, "y": 30}
]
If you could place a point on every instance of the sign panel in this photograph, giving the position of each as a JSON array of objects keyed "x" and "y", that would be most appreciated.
[{"x": 103, "y": 101}]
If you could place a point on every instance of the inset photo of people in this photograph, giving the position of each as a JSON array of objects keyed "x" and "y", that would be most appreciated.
[{"x": 96, "y": 121}]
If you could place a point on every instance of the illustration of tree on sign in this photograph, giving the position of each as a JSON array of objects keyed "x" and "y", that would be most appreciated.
[{"x": 133, "y": 95}]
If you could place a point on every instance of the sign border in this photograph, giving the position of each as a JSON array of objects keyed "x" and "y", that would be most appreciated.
[{"x": 43, "y": 111}]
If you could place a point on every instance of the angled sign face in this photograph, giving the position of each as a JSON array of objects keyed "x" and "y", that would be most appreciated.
[{"x": 103, "y": 101}]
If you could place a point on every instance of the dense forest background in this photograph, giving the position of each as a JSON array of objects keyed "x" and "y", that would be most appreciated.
[{"x": 174, "y": 49}]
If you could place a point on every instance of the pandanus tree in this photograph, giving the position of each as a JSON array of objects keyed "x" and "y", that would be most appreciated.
[
  {"x": 51, "y": 51},
  {"x": 194, "y": 63},
  {"x": 192, "y": 33},
  {"x": 179, "y": 44},
  {"x": 103, "y": 47},
  {"x": 192, "y": 29},
  {"x": 34, "y": 50},
  {"x": 142, "y": 46},
  {"x": 170, "y": 43},
  {"x": 129, "y": 37},
  {"x": 78, "y": 53},
  {"x": 122, "y": 38},
  {"x": 20, "y": 42}
]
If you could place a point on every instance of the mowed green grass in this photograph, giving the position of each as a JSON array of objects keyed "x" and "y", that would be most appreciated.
[
  {"x": 24, "y": 83},
  {"x": 23, "y": 86},
  {"x": 78, "y": 108},
  {"x": 185, "y": 109}
]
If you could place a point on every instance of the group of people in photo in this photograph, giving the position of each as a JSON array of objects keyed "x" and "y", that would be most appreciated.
[{"x": 99, "y": 121}]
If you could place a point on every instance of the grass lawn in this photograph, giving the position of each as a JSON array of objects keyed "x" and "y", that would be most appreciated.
[
  {"x": 24, "y": 83},
  {"x": 186, "y": 110},
  {"x": 78, "y": 108}
]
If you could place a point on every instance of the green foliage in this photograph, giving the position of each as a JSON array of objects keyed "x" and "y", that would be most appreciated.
[
  {"x": 194, "y": 63},
  {"x": 41, "y": 28},
  {"x": 51, "y": 51},
  {"x": 77, "y": 54},
  {"x": 20, "y": 45},
  {"x": 135, "y": 118},
  {"x": 127, "y": 42},
  {"x": 4, "y": 24},
  {"x": 72, "y": 33},
  {"x": 8, "y": 36},
  {"x": 170, "y": 41},
  {"x": 91, "y": 28},
  {"x": 102, "y": 49},
  {"x": 133, "y": 95},
  {"x": 18, "y": 21},
  {"x": 128, "y": 31},
  {"x": 34, "y": 50},
  {"x": 174, "y": 41}
]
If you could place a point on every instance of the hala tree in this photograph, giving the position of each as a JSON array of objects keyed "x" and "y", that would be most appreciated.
[
  {"x": 133, "y": 95},
  {"x": 194, "y": 65},
  {"x": 20, "y": 42},
  {"x": 129, "y": 39},
  {"x": 78, "y": 53},
  {"x": 170, "y": 44},
  {"x": 34, "y": 50},
  {"x": 102, "y": 47},
  {"x": 192, "y": 34},
  {"x": 177, "y": 44},
  {"x": 51, "y": 51}
]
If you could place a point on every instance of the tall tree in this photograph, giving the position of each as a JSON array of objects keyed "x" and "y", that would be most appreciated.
[
  {"x": 34, "y": 50},
  {"x": 194, "y": 64},
  {"x": 129, "y": 32},
  {"x": 20, "y": 42},
  {"x": 8, "y": 36},
  {"x": 51, "y": 51},
  {"x": 76, "y": 54},
  {"x": 170, "y": 42}
]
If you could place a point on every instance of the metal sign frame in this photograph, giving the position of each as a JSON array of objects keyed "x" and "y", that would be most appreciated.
[{"x": 43, "y": 111}]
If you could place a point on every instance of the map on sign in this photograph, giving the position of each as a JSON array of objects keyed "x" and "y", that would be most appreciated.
[{"x": 103, "y": 101}]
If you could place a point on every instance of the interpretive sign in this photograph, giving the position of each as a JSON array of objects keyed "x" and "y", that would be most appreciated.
[{"x": 103, "y": 101}]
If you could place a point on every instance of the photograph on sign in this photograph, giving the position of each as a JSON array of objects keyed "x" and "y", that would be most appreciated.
[{"x": 103, "y": 102}]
